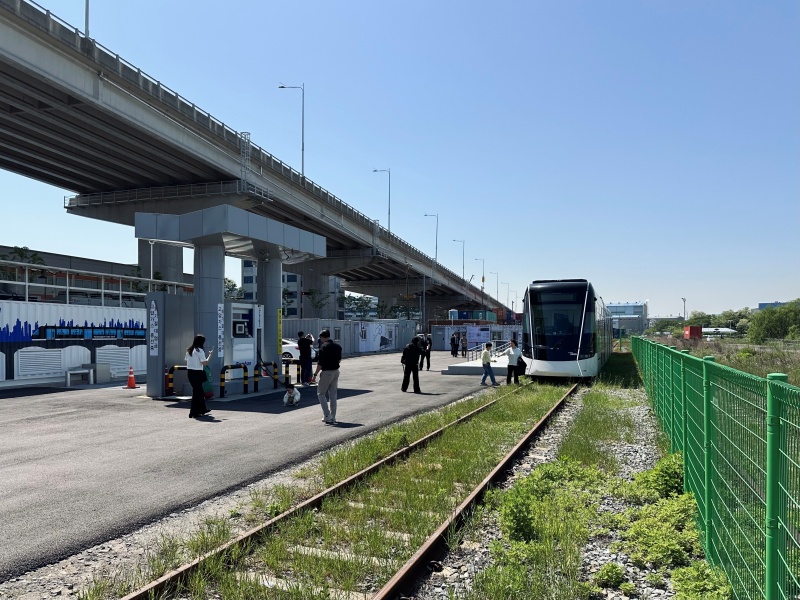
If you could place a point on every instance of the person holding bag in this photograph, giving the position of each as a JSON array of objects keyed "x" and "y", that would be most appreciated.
[
  {"x": 196, "y": 360},
  {"x": 514, "y": 355}
]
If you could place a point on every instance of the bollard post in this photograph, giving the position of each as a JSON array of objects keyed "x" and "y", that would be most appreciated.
[
  {"x": 287, "y": 378},
  {"x": 776, "y": 535}
]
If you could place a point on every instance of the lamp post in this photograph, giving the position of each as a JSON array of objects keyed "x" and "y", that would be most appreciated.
[
  {"x": 507, "y": 286},
  {"x": 389, "y": 171},
  {"x": 302, "y": 89},
  {"x": 684, "y": 309},
  {"x": 483, "y": 279},
  {"x": 497, "y": 285},
  {"x": 150, "y": 283},
  {"x": 86, "y": 28},
  {"x": 463, "y": 243},
  {"x": 436, "y": 247}
]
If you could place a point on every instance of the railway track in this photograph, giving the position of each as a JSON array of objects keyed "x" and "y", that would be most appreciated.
[{"x": 374, "y": 534}]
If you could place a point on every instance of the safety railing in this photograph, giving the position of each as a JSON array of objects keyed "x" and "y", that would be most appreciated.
[
  {"x": 169, "y": 388},
  {"x": 740, "y": 439},
  {"x": 245, "y": 380},
  {"x": 45, "y": 283},
  {"x": 274, "y": 373}
]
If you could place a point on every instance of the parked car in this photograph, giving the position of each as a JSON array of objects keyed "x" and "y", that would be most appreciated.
[{"x": 291, "y": 350}]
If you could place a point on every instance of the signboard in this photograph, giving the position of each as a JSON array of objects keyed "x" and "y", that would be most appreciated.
[
  {"x": 478, "y": 335},
  {"x": 153, "y": 329},
  {"x": 279, "y": 347},
  {"x": 220, "y": 330}
]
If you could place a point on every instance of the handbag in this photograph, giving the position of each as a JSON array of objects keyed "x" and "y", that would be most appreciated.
[{"x": 521, "y": 364}]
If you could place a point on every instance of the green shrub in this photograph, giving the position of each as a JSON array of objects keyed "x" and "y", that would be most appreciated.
[
  {"x": 628, "y": 588},
  {"x": 664, "y": 480},
  {"x": 527, "y": 509},
  {"x": 662, "y": 534},
  {"x": 656, "y": 580},
  {"x": 610, "y": 575},
  {"x": 699, "y": 581}
]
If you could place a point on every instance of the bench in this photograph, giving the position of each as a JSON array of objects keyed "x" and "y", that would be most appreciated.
[{"x": 88, "y": 372}]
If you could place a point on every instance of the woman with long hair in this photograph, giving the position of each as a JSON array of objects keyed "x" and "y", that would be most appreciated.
[{"x": 196, "y": 360}]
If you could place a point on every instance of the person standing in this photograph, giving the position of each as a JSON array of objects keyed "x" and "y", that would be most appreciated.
[
  {"x": 425, "y": 351},
  {"x": 196, "y": 360},
  {"x": 454, "y": 345},
  {"x": 411, "y": 357},
  {"x": 463, "y": 345},
  {"x": 330, "y": 355},
  {"x": 305, "y": 345},
  {"x": 486, "y": 361},
  {"x": 513, "y": 353}
]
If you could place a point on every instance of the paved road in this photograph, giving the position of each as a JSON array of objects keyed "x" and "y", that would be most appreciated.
[{"x": 80, "y": 466}]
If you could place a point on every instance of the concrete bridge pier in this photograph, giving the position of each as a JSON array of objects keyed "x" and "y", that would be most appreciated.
[
  {"x": 166, "y": 260},
  {"x": 269, "y": 290}
]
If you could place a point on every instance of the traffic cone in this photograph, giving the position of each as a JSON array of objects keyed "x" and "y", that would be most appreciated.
[{"x": 131, "y": 381}]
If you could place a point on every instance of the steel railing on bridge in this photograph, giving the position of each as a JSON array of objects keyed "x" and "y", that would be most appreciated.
[{"x": 740, "y": 439}]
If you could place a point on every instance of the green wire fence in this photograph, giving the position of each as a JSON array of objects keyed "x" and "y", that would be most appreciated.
[{"x": 740, "y": 439}]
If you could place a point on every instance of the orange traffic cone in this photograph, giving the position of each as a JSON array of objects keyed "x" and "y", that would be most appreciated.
[{"x": 131, "y": 381}]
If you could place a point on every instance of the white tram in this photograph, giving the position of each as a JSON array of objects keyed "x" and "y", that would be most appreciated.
[{"x": 566, "y": 329}]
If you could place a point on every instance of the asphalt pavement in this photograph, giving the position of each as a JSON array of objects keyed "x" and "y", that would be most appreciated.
[{"x": 87, "y": 464}]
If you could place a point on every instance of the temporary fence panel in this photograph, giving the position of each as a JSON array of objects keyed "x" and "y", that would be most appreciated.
[{"x": 740, "y": 439}]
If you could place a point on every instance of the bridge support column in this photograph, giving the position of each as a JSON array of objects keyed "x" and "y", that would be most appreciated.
[
  {"x": 269, "y": 293},
  {"x": 209, "y": 275}
]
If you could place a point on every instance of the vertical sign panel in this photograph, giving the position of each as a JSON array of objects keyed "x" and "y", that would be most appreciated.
[
  {"x": 220, "y": 330},
  {"x": 279, "y": 349},
  {"x": 153, "y": 329}
]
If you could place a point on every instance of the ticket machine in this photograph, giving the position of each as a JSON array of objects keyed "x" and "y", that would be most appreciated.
[{"x": 243, "y": 322}]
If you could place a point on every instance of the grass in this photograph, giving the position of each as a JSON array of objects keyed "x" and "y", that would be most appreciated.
[
  {"x": 401, "y": 507},
  {"x": 756, "y": 359}
]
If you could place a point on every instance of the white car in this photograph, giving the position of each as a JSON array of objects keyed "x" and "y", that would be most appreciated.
[{"x": 291, "y": 350}]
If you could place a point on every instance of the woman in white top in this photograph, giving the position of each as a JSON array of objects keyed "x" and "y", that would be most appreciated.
[
  {"x": 196, "y": 359},
  {"x": 513, "y": 353}
]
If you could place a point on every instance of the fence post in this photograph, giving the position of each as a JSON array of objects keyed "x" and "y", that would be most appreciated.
[
  {"x": 775, "y": 545},
  {"x": 672, "y": 441},
  {"x": 683, "y": 417},
  {"x": 707, "y": 394}
]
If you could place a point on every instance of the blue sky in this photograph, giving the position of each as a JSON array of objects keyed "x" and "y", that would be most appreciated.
[{"x": 652, "y": 147}]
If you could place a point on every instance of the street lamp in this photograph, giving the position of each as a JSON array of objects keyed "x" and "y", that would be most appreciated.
[
  {"x": 483, "y": 279},
  {"x": 436, "y": 250},
  {"x": 497, "y": 285},
  {"x": 150, "y": 283},
  {"x": 684, "y": 309},
  {"x": 302, "y": 89},
  {"x": 507, "y": 286},
  {"x": 463, "y": 243},
  {"x": 389, "y": 171}
]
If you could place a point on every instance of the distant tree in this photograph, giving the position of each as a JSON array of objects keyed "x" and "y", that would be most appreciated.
[
  {"x": 358, "y": 305},
  {"x": 382, "y": 309},
  {"x": 231, "y": 289},
  {"x": 780, "y": 322},
  {"x": 318, "y": 299},
  {"x": 287, "y": 297}
]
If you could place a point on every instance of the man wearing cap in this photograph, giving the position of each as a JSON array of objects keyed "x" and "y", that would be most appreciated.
[{"x": 330, "y": 355}]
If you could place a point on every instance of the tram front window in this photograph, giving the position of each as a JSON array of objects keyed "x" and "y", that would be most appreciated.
[{"x": 556, "y": 330}]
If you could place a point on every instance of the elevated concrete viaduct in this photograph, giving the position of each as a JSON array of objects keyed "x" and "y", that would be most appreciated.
[{"x": 78, "y": 116}]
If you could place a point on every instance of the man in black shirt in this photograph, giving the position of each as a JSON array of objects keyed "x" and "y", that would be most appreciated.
[
  {"x": 425, "y": 351},
  {"x": 330, "y": 355},
  {"x": 304, "y": 344},
  {"x": 410, "y": 360}
]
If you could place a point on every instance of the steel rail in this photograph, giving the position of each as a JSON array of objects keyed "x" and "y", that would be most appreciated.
[
  {"x": 405, "y": 579},
  {"x": 181, "y": 573}
]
